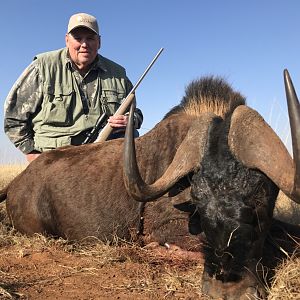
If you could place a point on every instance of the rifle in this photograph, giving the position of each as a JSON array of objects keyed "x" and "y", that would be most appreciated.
[{"x": 102, "y": 129}]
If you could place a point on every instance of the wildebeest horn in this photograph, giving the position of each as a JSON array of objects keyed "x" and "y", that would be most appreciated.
[
  {"x": 132, "y": 177},
  {"x": 294, "y": 115},
  {"x": 187, "y": 159},
  {"x": 257, "y": 146}
]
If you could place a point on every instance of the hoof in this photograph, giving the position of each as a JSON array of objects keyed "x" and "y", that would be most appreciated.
[{"x": 174, "y": 251}]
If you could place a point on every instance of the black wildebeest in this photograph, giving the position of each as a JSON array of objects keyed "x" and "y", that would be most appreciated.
[
  {"x": 238, "y": 165},
  {"x": 211, "y": 143}
]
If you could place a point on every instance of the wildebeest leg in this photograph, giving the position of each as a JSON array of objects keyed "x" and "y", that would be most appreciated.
[
  {"x": 174, "y": 252},
  {"x": 32, "y": 216},
  {"x": 172, "y": 227},
  {"x": 140, "y": 229}
]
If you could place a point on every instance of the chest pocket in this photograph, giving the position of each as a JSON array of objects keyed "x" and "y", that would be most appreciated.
[
  {"x": 58, "y": 106},
  {"x": 111, "y": 100}
]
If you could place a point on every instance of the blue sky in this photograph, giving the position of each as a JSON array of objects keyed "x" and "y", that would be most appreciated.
[{"x": 247, "y": 42}]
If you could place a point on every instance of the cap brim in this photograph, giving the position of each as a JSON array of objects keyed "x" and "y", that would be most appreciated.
[{"x": 84, "y": 27}]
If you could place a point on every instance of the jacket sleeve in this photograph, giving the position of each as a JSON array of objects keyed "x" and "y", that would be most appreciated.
[
  {"x": 138, "y": 115},
  {"x": 21, "y": 104}
]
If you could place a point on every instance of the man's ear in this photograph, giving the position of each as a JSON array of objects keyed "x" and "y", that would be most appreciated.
[
  {"x": 194, "y": 217},
  {"x": 67, "y": 40},
  {"x": 99, "y": 42},
  {"x": 187, "y": 206}
]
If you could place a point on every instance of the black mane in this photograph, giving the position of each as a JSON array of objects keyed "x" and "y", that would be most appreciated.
[{"x": 206, "y": 91}]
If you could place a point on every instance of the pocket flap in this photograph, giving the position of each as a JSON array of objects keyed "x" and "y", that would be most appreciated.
[
  {"x": 58, "y": 90},
  {"x": 112, "y": 95}
]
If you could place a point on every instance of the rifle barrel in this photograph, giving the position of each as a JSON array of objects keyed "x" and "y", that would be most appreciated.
[
  {"x": 106, "y": 131},
  {"x": 146, "y": 71}
]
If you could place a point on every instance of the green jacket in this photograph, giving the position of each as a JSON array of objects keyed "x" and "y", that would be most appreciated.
[{"x": 56, "y": 102}]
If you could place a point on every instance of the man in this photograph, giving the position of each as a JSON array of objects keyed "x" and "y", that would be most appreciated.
[{"x": 61, "y": 94}]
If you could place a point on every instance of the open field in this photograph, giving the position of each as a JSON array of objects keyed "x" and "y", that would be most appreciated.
[{"x": 41, "y": 267}]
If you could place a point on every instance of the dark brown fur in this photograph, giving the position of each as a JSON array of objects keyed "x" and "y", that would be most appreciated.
[{"x": 76, "y": 192}]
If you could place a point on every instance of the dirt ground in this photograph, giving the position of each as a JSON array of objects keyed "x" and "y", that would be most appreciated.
[{"x": 41, "y": 269}]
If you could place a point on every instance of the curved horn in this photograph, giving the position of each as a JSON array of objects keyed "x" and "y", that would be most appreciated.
[
  {"x": 187, "y": 159},
  {"x": 254, "y": 143},
  {"x": 134, "y": 183},
  {"x": 294, "y": 115}
]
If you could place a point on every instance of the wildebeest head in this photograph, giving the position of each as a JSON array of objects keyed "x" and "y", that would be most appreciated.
[{"x": 237, "y": 164}]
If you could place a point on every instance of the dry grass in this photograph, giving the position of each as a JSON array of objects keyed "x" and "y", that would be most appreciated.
[
  {"x": 8, "y": 172},
  {"x": 91, "y": 258},
  {"x": 286, "y": 284}
]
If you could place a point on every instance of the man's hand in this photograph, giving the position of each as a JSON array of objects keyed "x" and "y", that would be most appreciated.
[{"x": 118, "y": 121}]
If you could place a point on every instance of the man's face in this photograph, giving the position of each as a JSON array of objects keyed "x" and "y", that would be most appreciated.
[{"x": 83, "y": 45}]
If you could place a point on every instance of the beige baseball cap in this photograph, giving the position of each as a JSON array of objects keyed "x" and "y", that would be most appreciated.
[{"x": 83, "y": 20}]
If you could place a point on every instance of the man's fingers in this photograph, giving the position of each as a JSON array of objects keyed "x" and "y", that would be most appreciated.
[{"x": 118, "y": 121}]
